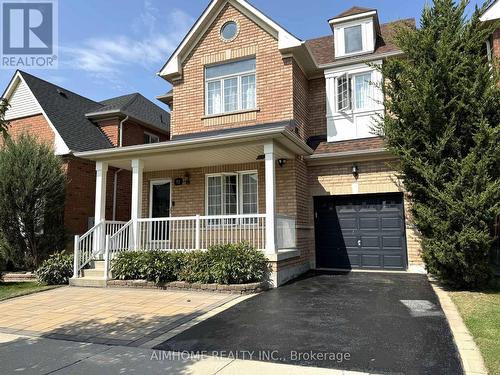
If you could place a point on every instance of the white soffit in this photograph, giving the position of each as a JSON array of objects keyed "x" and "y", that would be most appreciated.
[{"x": 286, "y": 40}]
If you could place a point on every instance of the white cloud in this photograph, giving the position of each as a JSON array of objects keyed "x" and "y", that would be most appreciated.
[{"x": 149, "y": 46}]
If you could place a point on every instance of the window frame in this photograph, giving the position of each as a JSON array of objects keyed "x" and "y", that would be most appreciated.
[
  {"x": 222, "y": 79},
  {"x": 351, "y": 87},
  {"x": 239, "y": 191},
  {"x": 360, "y": 26},
  {"x": 151, "y": 136}
]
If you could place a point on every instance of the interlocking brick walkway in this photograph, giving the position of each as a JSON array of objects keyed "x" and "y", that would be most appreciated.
[{"x": 105, "y": 316}]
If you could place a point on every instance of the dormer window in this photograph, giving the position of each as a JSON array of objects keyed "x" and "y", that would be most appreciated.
[
  {"x": 355, "y": 32},
  {"x": 353, "y": 39}
]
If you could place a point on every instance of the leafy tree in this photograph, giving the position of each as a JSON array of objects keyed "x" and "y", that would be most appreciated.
[
  {"x": 443, "y": 122},
  {"x": 32, "y": 193},
  {"x": 3, "y": 123}
]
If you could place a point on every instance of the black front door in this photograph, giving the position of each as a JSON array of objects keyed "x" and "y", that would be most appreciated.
[
  {"x": 362, "y": 231},
  {"x": 160, "y": 207}
]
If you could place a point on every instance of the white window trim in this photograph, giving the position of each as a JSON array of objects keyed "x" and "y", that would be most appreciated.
[
  {"x": 239, "y": 190},
  {"x": 351, "y": 101},
  {"x": 151, "y": 136},
  {"x": 368, "y": 36},
  {"x": 221, "y": 79}
]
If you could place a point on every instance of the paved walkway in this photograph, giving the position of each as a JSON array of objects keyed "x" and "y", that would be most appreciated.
[
  {"x": 124, "y": 317},
  {"x": 28, "y": 355}
]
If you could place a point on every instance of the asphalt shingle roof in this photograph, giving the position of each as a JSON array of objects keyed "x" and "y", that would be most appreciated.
[
  {"x": 67, "y": 111},
  {"x": 323, "y": 48}
]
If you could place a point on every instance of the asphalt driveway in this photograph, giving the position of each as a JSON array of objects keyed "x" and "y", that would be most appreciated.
[{"x": 369, "y": 322}]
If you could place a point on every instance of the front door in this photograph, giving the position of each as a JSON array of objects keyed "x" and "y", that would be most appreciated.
[{"x": 160, "y": 207}]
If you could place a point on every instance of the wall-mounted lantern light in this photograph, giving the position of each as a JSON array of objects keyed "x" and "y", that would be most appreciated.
[
  {"x": 281, "y": 162},
  {"x": 355, "y": 171}
]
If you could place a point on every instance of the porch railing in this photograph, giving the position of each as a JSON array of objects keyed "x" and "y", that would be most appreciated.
[{"x": 91, "y": 243}]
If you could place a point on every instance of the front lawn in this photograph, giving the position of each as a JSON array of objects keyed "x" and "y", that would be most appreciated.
[
  {"x": 481, "y": 314},
  {"x": 16, "y": 289}
]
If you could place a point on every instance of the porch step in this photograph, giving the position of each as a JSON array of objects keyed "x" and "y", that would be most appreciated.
[
  {"x": 98, "y": 264},
  {"x": 93, "y": 272},
  {"x": 93, "y": 282}
]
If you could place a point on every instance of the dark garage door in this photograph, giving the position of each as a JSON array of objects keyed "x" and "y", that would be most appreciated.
[{"x": 362, "y": 231}]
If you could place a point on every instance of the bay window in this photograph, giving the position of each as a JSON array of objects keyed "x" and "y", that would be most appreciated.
[
  {"x": 230, "y": 87},
  {"x": 232, "y": 193},
  {"x": 355, "y": 91}
]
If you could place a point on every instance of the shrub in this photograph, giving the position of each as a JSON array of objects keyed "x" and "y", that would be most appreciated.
[
  {"x": 130, "y": 265},
  {"x": 163, "y": 266},
  {"x": 237, "y": 264},
  {"x": 197, "y": 268},
  {"x": 57, "y": 269},
  {"x": 223, "y": 264}
]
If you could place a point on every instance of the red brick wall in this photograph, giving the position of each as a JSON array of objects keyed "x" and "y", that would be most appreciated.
[
  {"x": 35, "y": 125},
  {"x": 110, "y": 128},
  {"x": 317, "y": 107},
  {"x": 300, "y": 101},
  {"x": 133, "y": 134},
  {"x": 496, "y": 43}
]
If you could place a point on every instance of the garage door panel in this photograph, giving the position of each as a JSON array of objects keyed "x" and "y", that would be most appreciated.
[{"x": 362, "y": 231}]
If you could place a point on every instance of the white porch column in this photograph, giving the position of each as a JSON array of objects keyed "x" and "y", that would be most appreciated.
[
  {"x": 100, "y": 191},
  {"x": 136, "y": 210},
  {"x": 270, "y": 198},
  {"x": 101, "y": 169}
]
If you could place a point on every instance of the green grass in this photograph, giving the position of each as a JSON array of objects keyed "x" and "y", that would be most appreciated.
[
  {"x": 481, "y": 314},
  {"x": 16, "y": 289}
]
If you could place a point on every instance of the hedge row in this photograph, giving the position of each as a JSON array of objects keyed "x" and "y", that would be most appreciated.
[{"x": 221, "y": 264}]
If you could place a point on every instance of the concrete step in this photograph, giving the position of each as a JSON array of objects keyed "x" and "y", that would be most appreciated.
[
  {"x": 92, "y": 272},
  {"x": 93, "y": 282},
  {"x": 98, "y": 264}
]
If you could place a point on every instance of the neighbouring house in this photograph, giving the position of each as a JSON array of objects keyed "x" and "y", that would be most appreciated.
[
  {"x": 272, "y": 144},
  {"x": 492, "y": 14},
  {"x": 73, "y": 123}
]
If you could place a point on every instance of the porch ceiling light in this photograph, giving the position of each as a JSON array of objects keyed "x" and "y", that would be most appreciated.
[{"x": 281, "y": 162}]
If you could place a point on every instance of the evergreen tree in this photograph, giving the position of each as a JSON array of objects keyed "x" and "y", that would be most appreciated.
[
  {"x": 443, "y": 122},
  {"x": 32, "y": 194},
  {"x": 3, "y": 123}
]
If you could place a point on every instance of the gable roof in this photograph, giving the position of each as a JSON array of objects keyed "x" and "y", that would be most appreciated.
[
  {"x": 355, "y": 10},
  {"x": 67, "y": 112},
  {"x": 323, "y": 49},
  {"x": 286, "y": 40},
  {"x": 136, "y": 106}
]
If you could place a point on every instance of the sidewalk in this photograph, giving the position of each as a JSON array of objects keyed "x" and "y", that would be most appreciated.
[{"x": 36, "y": 355}]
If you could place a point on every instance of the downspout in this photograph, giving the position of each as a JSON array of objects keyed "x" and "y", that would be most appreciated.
[
  {"x": 115, "y": 187},
  {"x": 120, "y": 138}
]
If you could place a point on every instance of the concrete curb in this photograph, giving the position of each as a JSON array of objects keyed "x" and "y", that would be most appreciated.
[{"x": 470, "y": 356}]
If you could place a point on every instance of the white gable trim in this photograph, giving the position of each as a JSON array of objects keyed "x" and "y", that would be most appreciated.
[
  {"x": 60, "y": 146},
  {"x": 492, "y": 13},
  {"x": 286, "y": 40}
]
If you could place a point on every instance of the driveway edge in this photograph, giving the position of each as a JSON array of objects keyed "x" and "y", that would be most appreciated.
[{"x": 470, "y": 356}]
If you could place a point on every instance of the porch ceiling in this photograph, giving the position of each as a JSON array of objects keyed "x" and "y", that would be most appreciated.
[{"x": 204, "y": 151}]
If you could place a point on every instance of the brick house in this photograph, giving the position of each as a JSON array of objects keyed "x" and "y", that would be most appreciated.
[
  {"x": 271, "y": 143},
  {"x": 73, "y": 123}
]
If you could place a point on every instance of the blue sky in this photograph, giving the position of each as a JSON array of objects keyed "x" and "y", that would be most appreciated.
[{"x": 114, "y": 47}]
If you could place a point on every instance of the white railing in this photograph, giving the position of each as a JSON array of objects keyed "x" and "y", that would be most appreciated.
[
  {"x": 286, "y": 234},
  {"x": 91, "y": 243}
]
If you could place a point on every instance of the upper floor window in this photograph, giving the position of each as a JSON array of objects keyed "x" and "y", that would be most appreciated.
[
  {"x": 355, "y": 91},
  {"x": 151, "y": 138},
  {"x": 353, "y": 39},
  {"x": 230, "y": 87}
]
